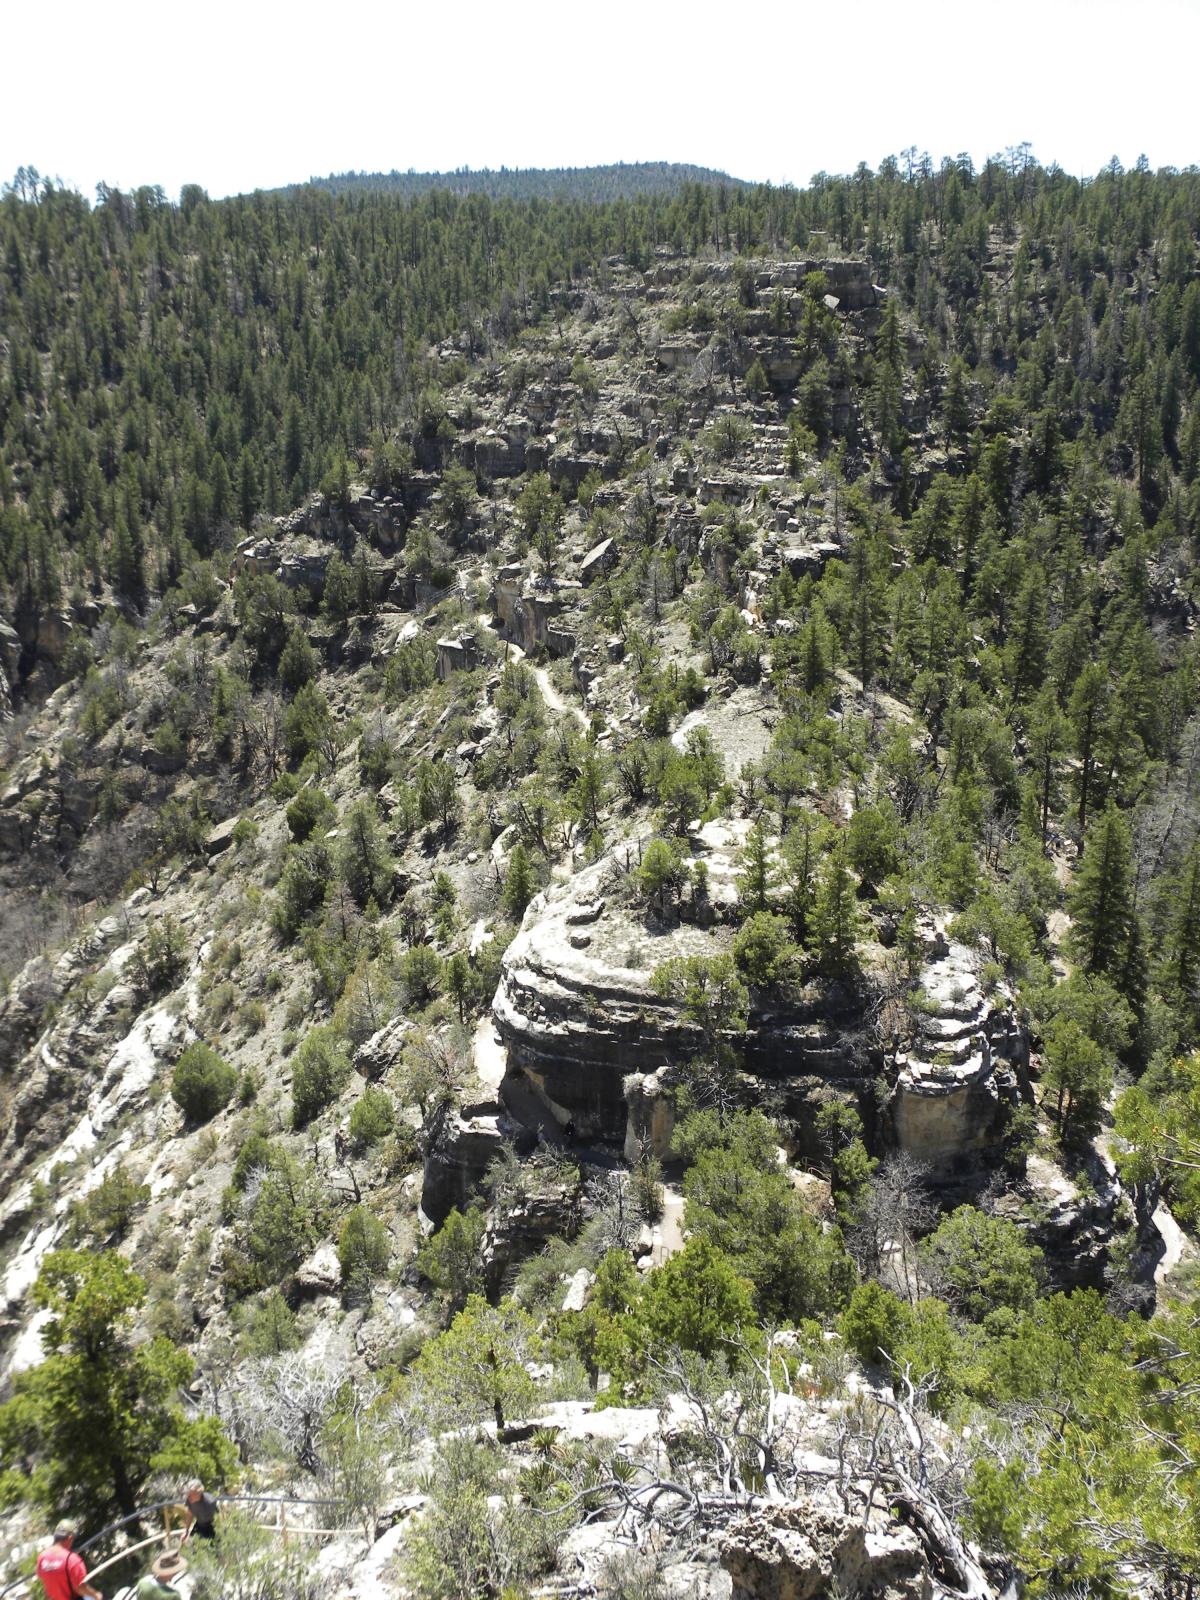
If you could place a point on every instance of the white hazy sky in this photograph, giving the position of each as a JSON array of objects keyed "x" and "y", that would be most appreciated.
[{"x": 237, "y": 96}]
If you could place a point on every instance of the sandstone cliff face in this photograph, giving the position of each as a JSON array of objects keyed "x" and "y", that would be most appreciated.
[
  {"x": 577, "y": 1011},
  {"x": 958, "y": 1081}
]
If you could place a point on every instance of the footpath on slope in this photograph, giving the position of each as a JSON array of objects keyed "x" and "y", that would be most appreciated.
[{"x": 554, "y": 700}]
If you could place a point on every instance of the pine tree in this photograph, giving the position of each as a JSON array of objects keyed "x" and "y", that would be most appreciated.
[
  {"x": 887, "y": 392},
  {"x": 1025, "y": 652},
  {"x": 1047, "y": 738},
  {"x": 757, "y": 873},
  {"x": 364, "y": 860},
  {"x": 1184, "y": 939},
  {"x": 1085, "y": 712},
  {"x": 955, "y": 405},
  {"x": 298, "y": 662},
  {"x": 519, "y": 882},
  {"x": 836, "y": 919},
  {"x": 1102, "y": 898},
  {"x": 867, "y": 622}
]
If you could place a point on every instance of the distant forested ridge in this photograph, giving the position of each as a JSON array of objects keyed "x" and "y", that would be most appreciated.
[
  {"x": 169, "y": 371},
  {"x": 619, "y": 180}
]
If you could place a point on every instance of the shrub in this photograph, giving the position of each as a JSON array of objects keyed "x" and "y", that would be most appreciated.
[
  {"x": 256, "y": 1155},
  {"x": 982, "y": 1264},
  {"x": 252, "y": 1016},
  {"x": 875, "y": 1323},
  {"x": 449, "y": 1258},
  {"x": 364, "y": 1248},
  {"x": 764, "y": 950},
  {"x": 106, "y": 1213},
  {"x": 319, "y": 1074},
  {"x": 310, "y": 810},
  {"x": 202, "y": 1084},
  {"x": 420, "y": 972},
  {"x": 373, "y": 1116}
]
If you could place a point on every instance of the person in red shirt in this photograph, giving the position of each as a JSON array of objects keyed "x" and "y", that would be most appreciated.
[{"x": 62, "y": 1572}]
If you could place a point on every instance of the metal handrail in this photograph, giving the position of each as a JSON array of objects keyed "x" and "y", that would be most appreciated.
[{"x": 175, "y": 1504}]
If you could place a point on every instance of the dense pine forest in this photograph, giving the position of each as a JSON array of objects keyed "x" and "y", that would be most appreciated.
[
  {"x": 622, "y": 181},
  {"x": 601, "y": 808}
]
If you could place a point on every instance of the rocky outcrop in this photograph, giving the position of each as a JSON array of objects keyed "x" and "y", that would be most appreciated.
[
  {"x": 10, "y": 663},
  {"x": 601, "y": 558},
  {"x": 577, "y": 1010},
  {"x": 960, "y": 1076},
  {"x": 521, "y": 1226},
  {"x": 457, "y": 654},
  {"x": 1074, "y": 1221},
  {"x": 531, "y": 616},
  {"x": 804, "y": 1550},
  {"x": 460, "y": 1149}
]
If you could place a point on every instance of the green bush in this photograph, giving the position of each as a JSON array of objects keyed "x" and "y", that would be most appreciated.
[
  {"x": 875, "y": 1324},
  {"x": 319, "y": 1074},
  {"x": 105, "y": 1214},
  {"x": 373, "y": 1116},
  {"x": 449, "y": 1258},
  {"x": 420, "y": 972},
  {"x": 764, "y": 950},
  {"x": 202, "y": 1084},
  {"x": 364, "y": 1248},
  {"x": 256, "y": 1154}
]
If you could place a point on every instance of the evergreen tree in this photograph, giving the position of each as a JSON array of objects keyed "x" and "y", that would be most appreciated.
[
  {"x": 1085, "y": 713},
  {"x": 757, "y": 873},
  {"x": 1183, "y": 949},
  {"x": 887, "y": 392},
  {"x": 364, "y": 860},
  {"x": 1102, "y": 897},
  {"x": 836, "y": 919},
  {"x": 519, "y": 884},
  {"x": 1047, "y": 740},
  {"x": 92, "y": 1421},
  {"x": 298, "y": 662}
]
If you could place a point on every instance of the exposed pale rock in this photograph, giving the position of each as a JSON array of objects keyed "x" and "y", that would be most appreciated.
[
  {"x": 957, "y": 1083},
  {"x": 798, "y": 1551},
  {"x": 599, "y": 559},
  {"x": 220, "y": 838},
  {"x": 577, "y": 1290},
  {"x": 321, "y": 1273},
  {"x": 579, "y": 1019}
]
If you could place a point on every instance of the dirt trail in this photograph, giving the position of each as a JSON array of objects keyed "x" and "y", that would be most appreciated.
[
  {"x": 554, "y": 700},
  {"x": 489, "y": 1055},
  {"x": 668, "y": 1230},
  {"x": 1176, "y": 1244}
]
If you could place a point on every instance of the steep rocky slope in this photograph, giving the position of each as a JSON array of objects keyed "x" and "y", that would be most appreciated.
[{"x": 531, "y": 695}]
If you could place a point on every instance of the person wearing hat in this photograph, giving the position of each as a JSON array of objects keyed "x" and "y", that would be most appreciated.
[
  {"x": 158, "y": 1584},
  {"x": 199, "y": 1512},
  {"x": 61, "y": 1571}
]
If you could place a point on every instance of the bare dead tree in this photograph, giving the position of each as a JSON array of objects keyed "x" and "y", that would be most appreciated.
[{"x": 896, "y": 1213}]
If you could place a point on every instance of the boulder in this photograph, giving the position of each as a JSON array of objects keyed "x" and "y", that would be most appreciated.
[
  {"x": 320, "y": 1274},
  {"x": 218, "y": 839},
  {"x": 382, "y": 1051},
  {"x": 601, "y": 558},
  {"x": 577, "y": 1290},
  {"x": 802, "y": 1550}
]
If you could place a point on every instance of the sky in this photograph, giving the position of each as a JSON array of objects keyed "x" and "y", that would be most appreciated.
[{"x": 238, "y": 96}]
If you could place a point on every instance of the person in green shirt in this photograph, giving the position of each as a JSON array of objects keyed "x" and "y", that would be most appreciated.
[{"x": 158, "y": 1582}]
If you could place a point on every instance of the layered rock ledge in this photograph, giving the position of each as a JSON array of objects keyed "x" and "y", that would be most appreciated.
[
  {"x": 577, "y": 1011},
  {"x": 967, "y": 1066}
]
